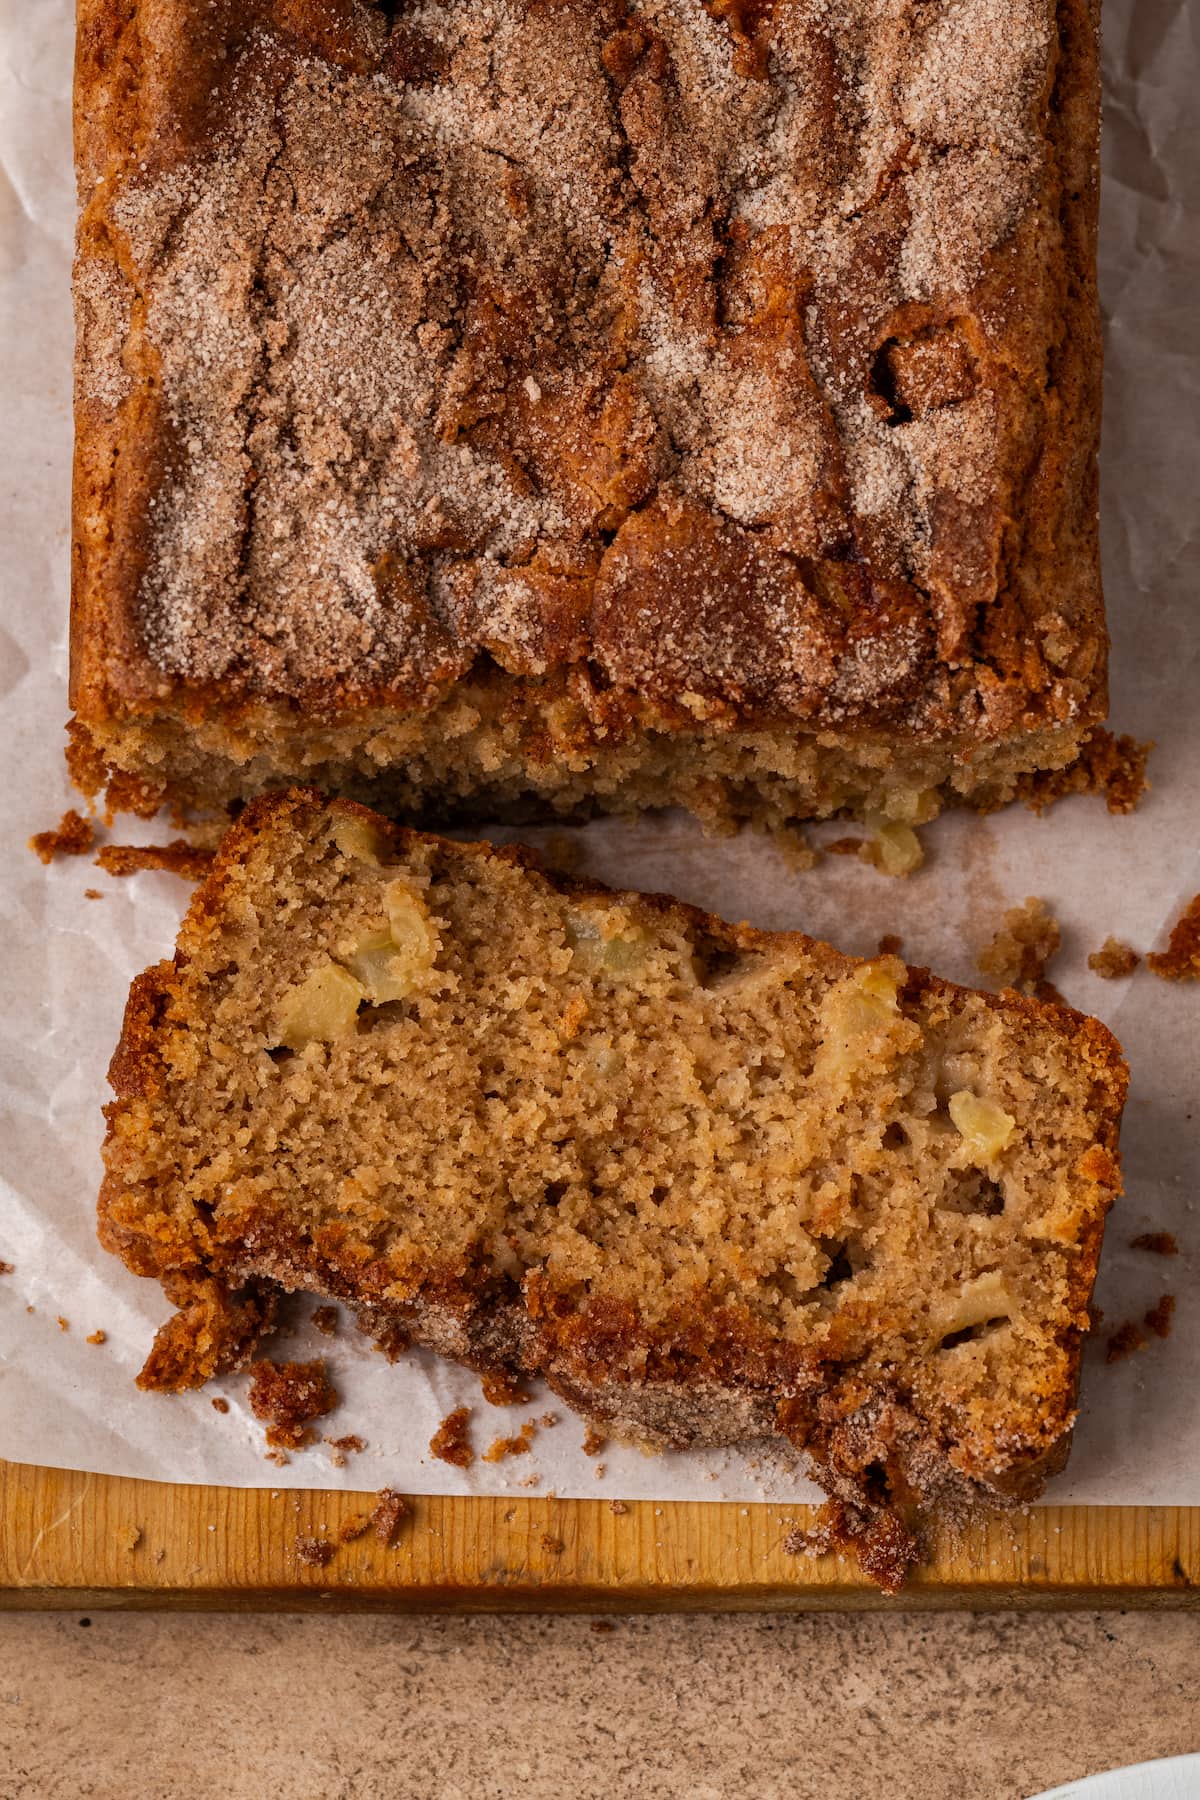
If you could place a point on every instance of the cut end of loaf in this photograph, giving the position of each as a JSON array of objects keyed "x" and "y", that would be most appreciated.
[{"x": 713, "y": 1184}]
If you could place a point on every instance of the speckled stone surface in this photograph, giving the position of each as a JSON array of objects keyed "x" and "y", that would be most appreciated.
[{"x": 948, "y": 1707}]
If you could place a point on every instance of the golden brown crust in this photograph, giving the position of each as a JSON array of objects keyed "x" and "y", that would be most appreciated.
[
  {"x": 705, "y": 1372},
  {"x": 920, "y": 338}
]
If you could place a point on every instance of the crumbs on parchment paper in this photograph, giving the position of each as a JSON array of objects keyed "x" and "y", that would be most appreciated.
[
  {"x": 1161, "y": 1315},
  {"x": 72, "y": 836},
  {"x": 450, "y": 1443},
  {"x": 342, "y": 1447},
  {"x": 504, "y": 1447},
  {"x": 97, "y": 1337},
  {"x": 220, "y": 1404},
  {"x": 1158, "y": 1243},
  {"x": 1180, "y": 961},
  {"x": 1021, "y": 948},
  {"x": 177, "y": 858},
  {"x": 1113, "y": 960},
  {"x": 287, "y": 1396},
  {"x": 1112, "y": 766},
  {"x": 500, "y": 1388}
]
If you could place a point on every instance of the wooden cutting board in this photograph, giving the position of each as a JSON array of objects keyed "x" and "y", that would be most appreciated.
[{"x": 69, "y": 1540}]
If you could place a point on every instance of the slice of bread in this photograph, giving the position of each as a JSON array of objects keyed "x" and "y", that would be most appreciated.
[{"x": 712, "y": 1183}]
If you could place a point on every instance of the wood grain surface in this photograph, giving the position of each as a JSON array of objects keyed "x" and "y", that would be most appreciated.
[{"x": 71, "y": 1540}]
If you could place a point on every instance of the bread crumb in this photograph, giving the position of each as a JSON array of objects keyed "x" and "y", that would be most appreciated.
[
  {"x": 1108, "y": 765},
  {"x": 177, "y": 858},
  {"x": 315, "y": 1553},
  {"x": 1113, "y": 960},
  {"x": 1160, "y": 1316},
  {"x": 356, "y": 1526},
  {"x": 129, "y": 1537},
  {"x": 1124, "y": 1341},
  {"x": 388, "y": 1514},
  {"x": 1018, "y": 953},
  {"x": 72, "y": 836},
  {"x": 287, "y": 1396},
  {"x": 500, "y": 1388},
  {"x": 63, "y": 1324},
  {"x": 449, "y": 1442},
  {"x": 619, "y": 1507},
  {"x": 6, "y": 1268},
  {"x": 1180, "y": 961},
  {"x": 342, "y": 1447},
  {"x": 326, "y": 1320},
  {"x": 220, "y": 1404},
  {"x": 97, "y": 1337},
  {"x": 503, "y": 1447},
  {"x": 92, "y": 894},
  {"x": 593, "y": 1442},
  {"x": 1158, "y": 1243},
  {"x": 798, "y": 854},
  {"x": 553, "y": 1546}
]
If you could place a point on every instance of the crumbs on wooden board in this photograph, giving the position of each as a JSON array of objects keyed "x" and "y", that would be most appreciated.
[
  {"x": 387, "y": 1515},
  {"x": 315, "y": 1553}
]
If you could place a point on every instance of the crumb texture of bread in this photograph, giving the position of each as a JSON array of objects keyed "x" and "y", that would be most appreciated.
[
  {"x": 713, "y": 1184},
  {"x": 671, "y": 402}
]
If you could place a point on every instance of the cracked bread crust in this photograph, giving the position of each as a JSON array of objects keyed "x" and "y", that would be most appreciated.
[
  {"x": 628, "y": 371},
  {"x": 711, "y": 1183}
]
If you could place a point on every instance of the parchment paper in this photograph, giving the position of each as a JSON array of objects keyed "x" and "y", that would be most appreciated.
[{"x": 66, "y": 961}]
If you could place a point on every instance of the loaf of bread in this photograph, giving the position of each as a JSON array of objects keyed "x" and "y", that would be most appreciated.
[
  {"x": 714, "y": 1184},
  {"x": 610, "y": 403}
]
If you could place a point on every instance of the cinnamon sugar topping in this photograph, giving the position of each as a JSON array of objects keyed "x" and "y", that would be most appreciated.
[{"x": 660, "y": 338}]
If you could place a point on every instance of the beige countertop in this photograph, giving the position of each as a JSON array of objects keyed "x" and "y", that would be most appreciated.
[{"x": 811, "y": 1707}]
